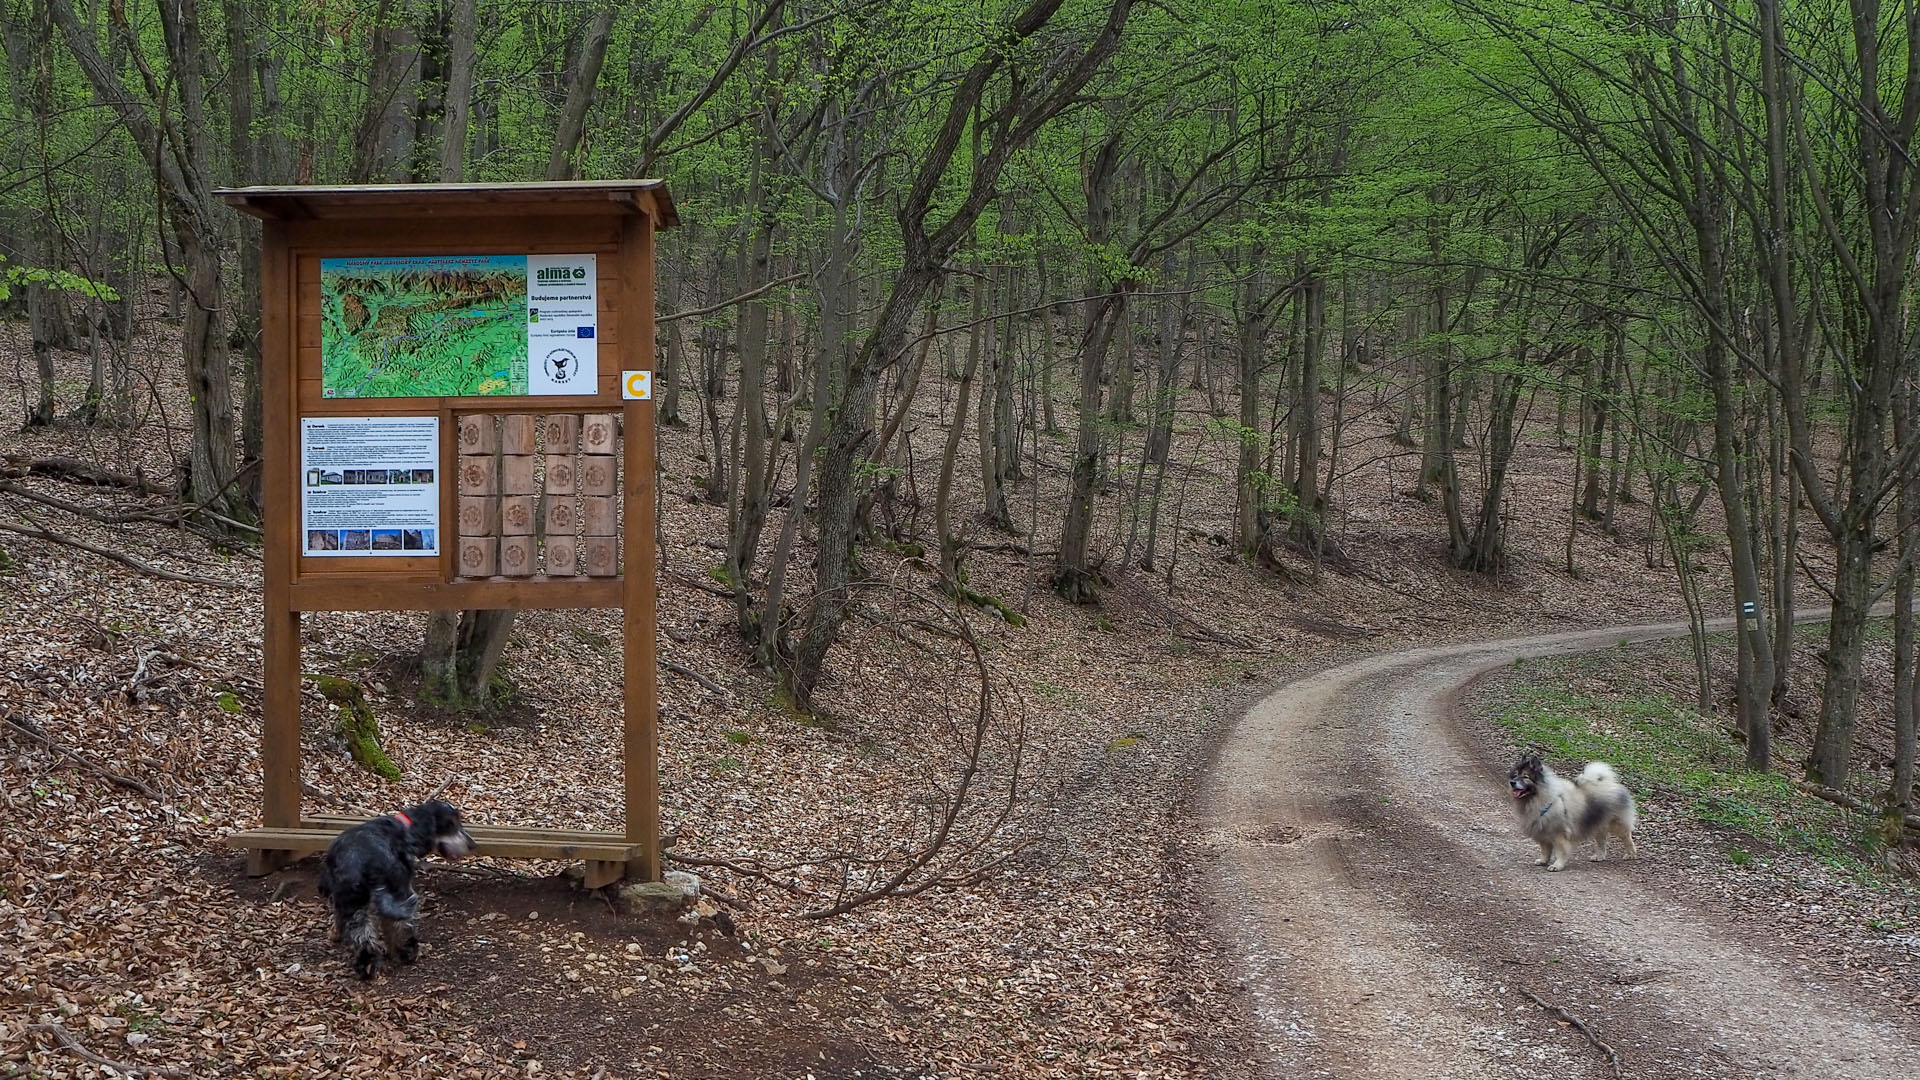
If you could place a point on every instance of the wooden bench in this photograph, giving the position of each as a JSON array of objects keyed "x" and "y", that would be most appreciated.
[{"x": 605, "y": 853}]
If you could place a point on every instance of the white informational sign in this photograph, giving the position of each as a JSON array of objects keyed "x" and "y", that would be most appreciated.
[
  {"x": 370, "y": 485},
  {"x": 636, "y": 385},
  {"x": 563, "y": 356}
]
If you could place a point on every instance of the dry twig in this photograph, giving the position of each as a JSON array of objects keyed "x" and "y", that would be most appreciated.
[
  {"x": 1842, "y": 799},
  {"x": 696, "y": 677},
  {"x": 1613, "y": 1056},
  {"x": 41, "y": 737},
  {"x": 116, "y": 556},
  {"x": 73, "y": 1046}
]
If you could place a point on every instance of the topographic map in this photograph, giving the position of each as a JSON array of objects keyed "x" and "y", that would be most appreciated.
[{"x": 440, "y": 326}]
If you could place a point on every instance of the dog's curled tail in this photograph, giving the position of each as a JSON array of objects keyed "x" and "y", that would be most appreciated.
[
  {"x": 393, "y": 908},
  {"x": 1598, "y": 772}
]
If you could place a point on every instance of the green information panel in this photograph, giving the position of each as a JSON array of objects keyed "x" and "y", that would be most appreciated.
[{"x": 458, "y": 326}]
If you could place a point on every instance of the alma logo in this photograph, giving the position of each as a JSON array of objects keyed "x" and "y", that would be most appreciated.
[{"x": 560, "y": 275}]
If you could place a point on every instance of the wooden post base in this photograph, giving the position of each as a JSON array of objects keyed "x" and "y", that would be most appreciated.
[
  {"x": 602, "y": 873},
  {"x": 264, "y": 861}
]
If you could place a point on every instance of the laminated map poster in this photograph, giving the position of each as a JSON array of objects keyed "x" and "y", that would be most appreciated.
[{"x": 458, "y": 326}]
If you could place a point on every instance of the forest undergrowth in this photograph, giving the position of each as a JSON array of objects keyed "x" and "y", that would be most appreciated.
[{"x": 133, "y": 708}]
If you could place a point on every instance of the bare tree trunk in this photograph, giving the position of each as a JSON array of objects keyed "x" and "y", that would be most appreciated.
[
  {"x": 1309, "y": 503},
  {"x": 459, "y": 103},
  {"x": 755, "y": 488},
  {"x": 1250, "y": 533},
  {"x": 580, "y": 87},
  {"x": 1074, "y": 576},
  {"x": 943, "y": 490},
  {"x": 383, "y": 143},
  {"x": 1907, "y": 516},
  {"x": 1166, "y": 386},
  {"x": 1486, "y": 551},
  {"x": 1024, "y": 108}
]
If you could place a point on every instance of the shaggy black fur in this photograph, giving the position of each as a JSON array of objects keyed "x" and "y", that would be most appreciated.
[{"x": 368, "y": 878}]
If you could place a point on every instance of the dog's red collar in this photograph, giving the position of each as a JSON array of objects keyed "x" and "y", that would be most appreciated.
[{"x": 404, "y": 819}]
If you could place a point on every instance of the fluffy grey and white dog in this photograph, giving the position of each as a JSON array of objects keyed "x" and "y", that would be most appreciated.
[
  {"x": 1561, "y": 814},
  {"x": 368, "y": 878}
]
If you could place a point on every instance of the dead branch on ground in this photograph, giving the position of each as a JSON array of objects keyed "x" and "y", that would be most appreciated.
[
  {"x": 74, "y": 1046},
  {"x": 1613, "y": 1056},
  {"x": 679, "y": 669},
  {"x": 75, "y": 471},
  {"x": 33, "y": 732},
  {"x": 1842, "y": 799},
  {"x": 122, "y": 558}
]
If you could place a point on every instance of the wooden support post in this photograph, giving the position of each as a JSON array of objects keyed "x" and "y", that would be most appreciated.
[
  {"x": 641, "y": 696},
  {"x": 280, "y": 464}
]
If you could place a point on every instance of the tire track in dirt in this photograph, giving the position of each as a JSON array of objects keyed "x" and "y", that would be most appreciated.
[{"x": 1387, "y": 916}]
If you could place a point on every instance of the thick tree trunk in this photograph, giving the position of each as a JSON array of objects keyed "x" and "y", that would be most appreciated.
[
  {"x": 1250, "y": 513},
  {"x": 383, "y": 142},
  {"x": 459, "y": 100},
  {"x": 943, "y": 489},
  {"x": 1309, "y": 504},
  {"x": 580, "y": 87},
  {"x": 1486, "y": 551},
  {"x": 1074, "y": 576},
  {"x": 754, "y": 327}
]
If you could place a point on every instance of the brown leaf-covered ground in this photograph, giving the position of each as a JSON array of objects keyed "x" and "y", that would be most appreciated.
[{"x": 126, "y": 925}]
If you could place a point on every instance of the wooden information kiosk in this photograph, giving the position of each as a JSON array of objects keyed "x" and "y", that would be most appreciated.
[{"x": 457, "y": 400}]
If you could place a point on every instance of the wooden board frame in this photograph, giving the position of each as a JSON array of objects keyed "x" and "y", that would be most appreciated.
[{"x": 614, "y": 220}]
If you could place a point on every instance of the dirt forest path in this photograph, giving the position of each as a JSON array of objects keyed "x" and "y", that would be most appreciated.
[{"x": 1390, "y": 921}]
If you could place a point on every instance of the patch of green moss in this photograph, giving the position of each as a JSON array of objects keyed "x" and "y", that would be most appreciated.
[
  {"x": 906, "y": 549},
  {"x": 592, "y": 640},
  {"x": 355, "y": 724}
]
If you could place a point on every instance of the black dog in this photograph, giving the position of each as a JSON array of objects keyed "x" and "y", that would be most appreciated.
[{"x": 368, "y": 878}]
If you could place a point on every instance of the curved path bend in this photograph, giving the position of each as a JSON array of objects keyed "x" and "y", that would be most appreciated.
[{"x": 1389, "y": 921}]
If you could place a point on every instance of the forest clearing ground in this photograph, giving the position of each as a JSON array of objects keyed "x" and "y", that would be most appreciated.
[
  {"x": 126, "y": 920},
  {"x": 1391, "y": 923}
]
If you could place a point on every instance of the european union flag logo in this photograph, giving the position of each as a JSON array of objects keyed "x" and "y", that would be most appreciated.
[{"x": 584, "y": 331}]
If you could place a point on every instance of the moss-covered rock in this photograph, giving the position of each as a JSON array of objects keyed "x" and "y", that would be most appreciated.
[{"x": 355, "y": 725}]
